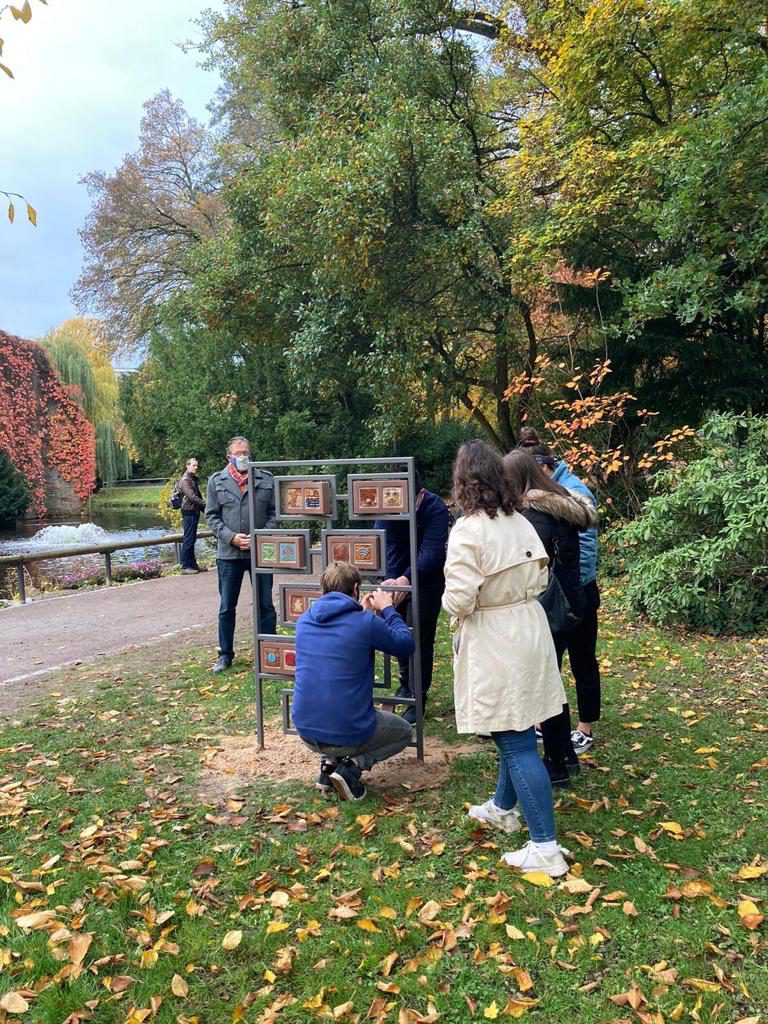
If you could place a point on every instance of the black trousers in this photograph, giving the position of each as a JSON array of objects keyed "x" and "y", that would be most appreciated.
[
  {"x": 190, "y": 521},
  {"x": 430, "y": 602},
  {"x": 581, "y": 644}
]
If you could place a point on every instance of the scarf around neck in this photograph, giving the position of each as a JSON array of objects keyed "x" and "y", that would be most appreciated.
[{"x": 241, "y": 479}]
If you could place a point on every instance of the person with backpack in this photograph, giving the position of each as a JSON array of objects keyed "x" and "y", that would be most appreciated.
[
  {"x": 505, "y": 666},
  {"x": 558, "y": 516},
  {"x": 191, "y": 503}
]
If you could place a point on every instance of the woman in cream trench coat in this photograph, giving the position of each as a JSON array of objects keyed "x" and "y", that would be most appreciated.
[{"x": 505, "y": 667}]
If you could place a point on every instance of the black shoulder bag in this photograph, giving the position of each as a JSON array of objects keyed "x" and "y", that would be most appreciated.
[{"x": 560, "y": 614}]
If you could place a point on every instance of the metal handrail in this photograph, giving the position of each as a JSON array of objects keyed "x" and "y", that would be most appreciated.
[{"x": 91, "y": 549}]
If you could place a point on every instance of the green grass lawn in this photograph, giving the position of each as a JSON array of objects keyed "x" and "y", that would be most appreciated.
[
  {"x": 124, "y": 899},
  {"x": 127, "y": 497}
]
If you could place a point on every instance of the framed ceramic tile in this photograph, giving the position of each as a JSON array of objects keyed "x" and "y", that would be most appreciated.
[
  {"x": 277, "y": 657},
  {"x": 282, "y": 551},
  {"x": 295, "y": 599},
  {"x": 373, "y": 495},
  {"x": 364, "y": 549},
  {"x": 301, "y": 497}
]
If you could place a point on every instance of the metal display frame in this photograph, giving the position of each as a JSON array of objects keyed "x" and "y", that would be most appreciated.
[{"x": 406, "y": 471}]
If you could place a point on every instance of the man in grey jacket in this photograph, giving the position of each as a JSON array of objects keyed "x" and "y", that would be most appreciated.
[{"x": 226, "y": 511}]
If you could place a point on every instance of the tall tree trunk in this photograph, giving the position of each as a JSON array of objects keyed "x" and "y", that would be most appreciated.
[
  {"x": 524, "y": 402},
  {"x": 501, "y": 383}
]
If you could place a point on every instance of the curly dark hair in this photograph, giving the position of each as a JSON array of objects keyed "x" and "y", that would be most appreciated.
[{"x": 479, "y": 483}]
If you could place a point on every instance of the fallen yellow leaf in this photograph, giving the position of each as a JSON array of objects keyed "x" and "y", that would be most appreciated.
[
  {"x": 367, "y": 925},
  {"x": 275, "y": 926},
  {"x": 674, "y": 827},
  {"x": 232, "y": 940},
  {"x": 517, "y": 1007},
  {"x": 491, "y": 1012},
  {"x": 753, "y": 870},
  {"x": 702, "y": 985},
  {"x": 538, "y": 878}
]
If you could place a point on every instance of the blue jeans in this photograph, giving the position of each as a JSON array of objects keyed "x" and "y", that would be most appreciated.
[
  {"x": 523, "y": 777},
  {"x": 231, "y": 572},
  {"x": 190, "y": 521}
]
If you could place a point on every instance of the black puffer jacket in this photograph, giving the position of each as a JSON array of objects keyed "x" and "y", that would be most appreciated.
[{"x": 558, "y": 520}]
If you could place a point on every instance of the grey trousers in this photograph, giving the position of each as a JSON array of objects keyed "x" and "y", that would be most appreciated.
[{"x": 392, "y": 734}]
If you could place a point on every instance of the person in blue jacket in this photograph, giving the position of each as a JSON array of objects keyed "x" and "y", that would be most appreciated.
[
  {"x": 432, "y": 528},
  {"x": 582, "y": 641},
  {"x": 332, "y": 706}
]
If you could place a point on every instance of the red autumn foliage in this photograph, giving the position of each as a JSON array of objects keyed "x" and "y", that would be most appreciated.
[{"x": 41, "y": 427}]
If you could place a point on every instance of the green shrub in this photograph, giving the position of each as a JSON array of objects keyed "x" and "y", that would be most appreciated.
[
  {"x": 698, "y": 554},
  {"x": 14, "y": 492},
  {"x": 434, "y": 444}
]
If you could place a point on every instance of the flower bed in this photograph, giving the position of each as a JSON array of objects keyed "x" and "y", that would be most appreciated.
[{"x": 91, "y": 576}]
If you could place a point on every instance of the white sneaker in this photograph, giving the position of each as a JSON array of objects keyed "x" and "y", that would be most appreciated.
[
  {"x": 530, "y": 858},
  {"x": 582, "y": 741},
  {"x": 489, "y": 814}
]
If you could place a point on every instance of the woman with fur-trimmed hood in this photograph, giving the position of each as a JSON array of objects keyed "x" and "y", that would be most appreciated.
[{"x": 558, "y": 516}]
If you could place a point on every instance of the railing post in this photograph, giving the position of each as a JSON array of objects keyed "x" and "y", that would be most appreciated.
[
  {"x": 177, "y": 550},
  {"x": 108, "y": 568},
  {"x": 20, "y": 578}
]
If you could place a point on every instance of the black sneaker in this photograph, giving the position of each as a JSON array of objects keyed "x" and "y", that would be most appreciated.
[
  {"x": 323, "y": 784},
  {"x": 222, "y": 663},
  {"x": 345, "y": 779},
  {"x": 409, "y": 715},
  {"x": 403, "y": 692},
  {"x": 559, "y": 775}
]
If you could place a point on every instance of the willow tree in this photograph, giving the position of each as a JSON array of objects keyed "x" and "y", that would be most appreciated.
[{"x": 81, "y": 357}]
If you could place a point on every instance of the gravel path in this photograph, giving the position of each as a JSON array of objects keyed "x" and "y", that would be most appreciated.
[{"x": 60, "y": 631}]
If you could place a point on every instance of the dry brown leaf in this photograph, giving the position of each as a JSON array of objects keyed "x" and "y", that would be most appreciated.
[
  {"x": 179, "y": 987},
  {"x": 14, "y": 1002},
  {"x": 78, "y": 946},
  {"x": 40, "y": 918},
  {"x": 388, "y": 963},
  {"x": 429, "y": 911}
]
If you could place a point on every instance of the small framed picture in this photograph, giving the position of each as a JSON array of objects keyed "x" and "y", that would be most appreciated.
[
  {"x": 277, "y": 657},
  {"x": 341, "y": 551},
  {"x": 305, "y": 497},
  {"x": 366, "y": 550},
  {"x": 282, "y": 551},
  {"x": 378, "y": 495},
  {"x": 294, "y": 600}
]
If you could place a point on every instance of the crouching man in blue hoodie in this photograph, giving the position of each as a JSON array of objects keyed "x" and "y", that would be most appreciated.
[{"x": 332, "y": 705}]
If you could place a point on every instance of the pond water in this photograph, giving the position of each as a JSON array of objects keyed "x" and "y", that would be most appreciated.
[{"x": 100, "y": 527}]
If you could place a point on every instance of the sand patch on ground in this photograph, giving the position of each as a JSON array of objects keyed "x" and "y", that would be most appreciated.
[{"x": 237, "y": 762}]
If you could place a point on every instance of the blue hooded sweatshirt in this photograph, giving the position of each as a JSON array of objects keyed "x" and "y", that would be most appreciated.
[
  {"x": 333, "y": 689},
  {"x": 587, "y": 539}
]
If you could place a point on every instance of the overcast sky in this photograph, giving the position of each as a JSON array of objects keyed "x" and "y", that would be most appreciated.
[{"x": 83, "y": 69}]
